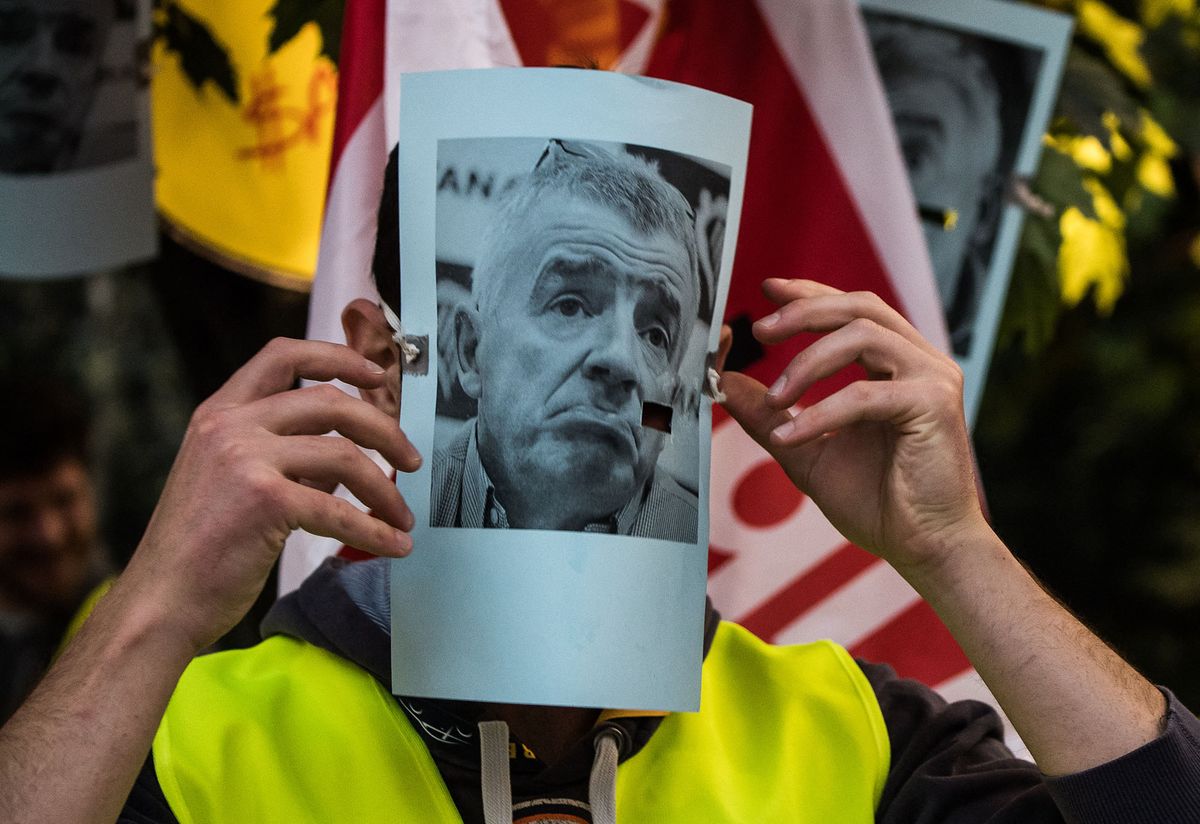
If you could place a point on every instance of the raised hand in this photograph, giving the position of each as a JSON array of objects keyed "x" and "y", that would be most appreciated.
[
  {"x": 254, "y": 465},
  {"x": 887, "y": 459}
]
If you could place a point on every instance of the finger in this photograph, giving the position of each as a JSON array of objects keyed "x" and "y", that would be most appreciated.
[
  {"x": 332, "y": 517},
  {"x": 745, "y": 401},
  {"x": 724, "y": 344},
  {"x": 902, "y": 403},
  {"x": 332, "y": 461},
  {"x": 808, "y": 307},
  {"x": 783, "y": 290},
  {"x": 811, "y": 307},
  {"x": 882, "y": 352},
  {"x": 284, "y": 361},
  {"x": 315, "y": 410},
  {"x": 328, "y": 487}
]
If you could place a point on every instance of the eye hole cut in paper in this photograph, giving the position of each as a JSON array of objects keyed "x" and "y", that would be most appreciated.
[{"x": 575, "y": 291}]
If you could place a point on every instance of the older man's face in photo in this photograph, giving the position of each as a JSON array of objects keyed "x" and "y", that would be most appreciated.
[
  {"x": 50, "y": 54},
  {"x": 947, "y": 114},
  {"x": 591, "y": 320}
]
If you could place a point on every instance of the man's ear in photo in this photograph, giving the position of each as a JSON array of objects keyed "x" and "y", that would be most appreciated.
[{"x": 466, "y": 347}]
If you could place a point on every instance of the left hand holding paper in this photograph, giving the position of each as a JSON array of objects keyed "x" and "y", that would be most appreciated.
[{"x": 887, "y": 459}]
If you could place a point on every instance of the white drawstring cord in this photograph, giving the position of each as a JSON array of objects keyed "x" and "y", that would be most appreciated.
[
  {"x": 602, "y": 786},
  {"x": 495, "y": 780},
  {"x": 714, "y": 386},
  {"x": 407, "y": 347}
]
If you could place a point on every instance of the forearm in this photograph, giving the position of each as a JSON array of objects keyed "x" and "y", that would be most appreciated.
[
  {"x": 1074, "y": 701},
  {"x": 73, "y": 750},
  {"x": 888, "y": 461},
  {"x": 252, "y": 468}
]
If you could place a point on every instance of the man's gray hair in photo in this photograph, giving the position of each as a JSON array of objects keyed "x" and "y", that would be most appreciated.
[{"x": 627, "y": 184}]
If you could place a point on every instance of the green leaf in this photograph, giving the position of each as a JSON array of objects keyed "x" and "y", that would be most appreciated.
[
  {"x": 1171, "y": 58},
  {"x": 1146, "y": 223},
  {"x": 1179, "y": 115},
  {"x": 1060, "y": 181},
  {"x": 1090, "y": 88},
  {"x": 1033, "y": 306},
  {"x": 201, "y": 57},
  {"x": 293, "y": 15}
]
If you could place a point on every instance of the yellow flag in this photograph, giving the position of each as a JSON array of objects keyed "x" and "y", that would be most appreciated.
[{"x": 242, "y": 135}]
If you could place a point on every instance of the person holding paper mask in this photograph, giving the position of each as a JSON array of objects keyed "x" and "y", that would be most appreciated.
[
  {"x": 299, "y": 729},
  {"x": 584, "y": 298}
]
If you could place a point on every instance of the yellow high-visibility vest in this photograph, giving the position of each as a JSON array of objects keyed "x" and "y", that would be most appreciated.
[{"x": 287, "y": 732}]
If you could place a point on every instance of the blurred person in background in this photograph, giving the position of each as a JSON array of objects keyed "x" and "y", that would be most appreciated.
[{"x": 50, "y": 553}]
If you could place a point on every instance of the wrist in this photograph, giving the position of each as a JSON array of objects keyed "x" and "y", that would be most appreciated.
[
  {"x": 945, "y": 560},
  {"x": 140, "y": 617}
]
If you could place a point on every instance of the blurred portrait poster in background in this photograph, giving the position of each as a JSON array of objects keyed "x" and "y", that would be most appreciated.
[
  {"x": 76, "y": 175},
  {"x": 566, "y": 238},
  {"x": 971, "y": 87}
]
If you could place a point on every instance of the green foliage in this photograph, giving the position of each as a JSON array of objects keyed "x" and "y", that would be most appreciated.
[
  {"x": 202, "y": 58},
  {"x": 1111, "y": 140},
  {"x": 293, "y": 15},
  {"x": 1031, "y": 314},
  {"x": 1173, "y": 53},
  {"x": 1091, "y": 87},
  {"x": 1060, "y": 183}
]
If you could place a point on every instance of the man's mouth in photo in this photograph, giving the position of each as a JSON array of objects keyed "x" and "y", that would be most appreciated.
[{"x": 594, "y": 424}]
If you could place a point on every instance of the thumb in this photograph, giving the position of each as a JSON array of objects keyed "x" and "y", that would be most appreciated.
[{"x": 745, "y": 401}]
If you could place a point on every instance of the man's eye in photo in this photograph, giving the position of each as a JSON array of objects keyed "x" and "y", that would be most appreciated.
[
  {"x": 568, "y": 307},
  {"x": 918, "y": 148},
  {"x": 658, "y": 338}
]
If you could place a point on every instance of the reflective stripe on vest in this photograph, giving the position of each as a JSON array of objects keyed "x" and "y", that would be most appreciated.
[{"x": 287, "y": 732}]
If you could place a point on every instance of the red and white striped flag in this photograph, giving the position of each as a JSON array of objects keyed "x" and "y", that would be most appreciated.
[{"x": 827, "y": 197}]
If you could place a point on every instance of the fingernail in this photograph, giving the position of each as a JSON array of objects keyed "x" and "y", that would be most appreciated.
[
  {"x": 777, "y": 388},
  {"x": 769, "y": 321},
  {"x": 404, "y": 541},
  {"x": 374, "y": 368},
  {"x": 783, "y": 430}
]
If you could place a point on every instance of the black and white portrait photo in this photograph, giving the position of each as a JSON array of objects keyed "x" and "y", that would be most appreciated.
[
  {"x": 575, "y": 297},
  {"x": 76, "y": 172},
  {"x": 960, "y": 102},
  {"x": 566, "y": 242},
  {"x": 68, "y": 84},
  {"x": 971, "y": 88}
]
